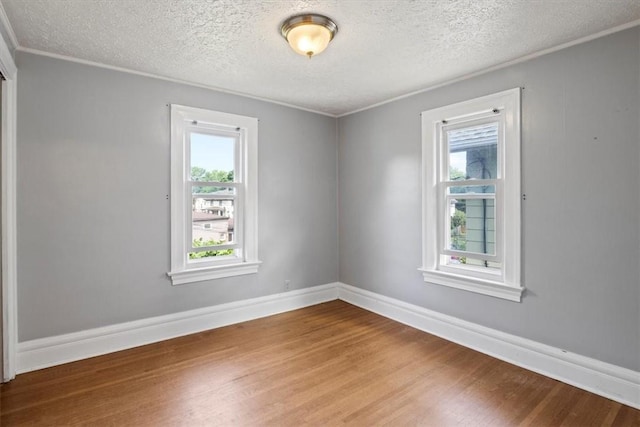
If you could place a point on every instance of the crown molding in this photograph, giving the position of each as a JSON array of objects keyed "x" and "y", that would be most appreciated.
[
  {"x": 165, "y": 78},
  {"x": 500, "y": 66}
]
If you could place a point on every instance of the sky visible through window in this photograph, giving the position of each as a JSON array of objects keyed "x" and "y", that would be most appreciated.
[
  {"x": 459, "y": 161},
  {"x": 212, "y": 152}
]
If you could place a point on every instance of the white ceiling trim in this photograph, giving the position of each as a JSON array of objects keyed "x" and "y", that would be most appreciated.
[
  {"x": 168, "y": 79},
  {"x": 502, "y": 65}
]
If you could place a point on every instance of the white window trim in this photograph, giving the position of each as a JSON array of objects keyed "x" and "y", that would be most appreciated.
[
  {"x": 506, "y": 285},
  {"x": 183, "y": 271}
]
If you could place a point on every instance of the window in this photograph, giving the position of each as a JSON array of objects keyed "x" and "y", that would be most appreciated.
[
  {"x": 213, "y": 195},
  {"x": 471, "y": 195}
]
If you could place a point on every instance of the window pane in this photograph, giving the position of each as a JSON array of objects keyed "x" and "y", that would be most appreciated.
[
  {"x": 209, "y": 254},
  {"x": 212, "y": 157},
  {"x": 473, "y": 152},
  {"x": 474, "y": 262},
  {"x": 213, "y": 214},
  {"x": 472, "y": 225},
  {"x": 472, "y": 189}
]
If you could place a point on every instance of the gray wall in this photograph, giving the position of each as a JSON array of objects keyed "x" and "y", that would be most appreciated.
[
  {"x": 581, "y": 219},
  {"x": 93, "y": 217}
]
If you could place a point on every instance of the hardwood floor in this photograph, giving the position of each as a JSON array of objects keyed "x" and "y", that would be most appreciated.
[{"x": 329, "y": 364}]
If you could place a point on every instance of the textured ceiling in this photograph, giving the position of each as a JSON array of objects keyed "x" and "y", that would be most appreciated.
[{"x": 383, "y": 48}]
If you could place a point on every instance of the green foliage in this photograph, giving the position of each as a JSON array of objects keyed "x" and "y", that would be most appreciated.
[
  {"x": 199, "y": 243},
  {"x": 197, "y": 173},
  {"x": 459, "y": 219},
  {"x": 456, "y": 174},
  {"x": 458, "y": 224},
  {"x": 201, "y": 174}
]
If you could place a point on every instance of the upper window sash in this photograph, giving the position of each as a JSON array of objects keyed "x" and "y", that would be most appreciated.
[
  {"x": 475, "y": 120},
  {"x": 203, "y": 128}
]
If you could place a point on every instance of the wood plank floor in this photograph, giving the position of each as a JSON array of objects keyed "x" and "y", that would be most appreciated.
[{"x": 329, "y": 364}]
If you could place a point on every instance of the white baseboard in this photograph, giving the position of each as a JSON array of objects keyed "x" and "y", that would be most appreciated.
[
  {"x": 51, "y": 351},
  {"x": 604, "y": 379}
]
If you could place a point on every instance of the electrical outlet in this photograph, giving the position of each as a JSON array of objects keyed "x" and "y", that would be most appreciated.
[{"x": 287, "y": 284}]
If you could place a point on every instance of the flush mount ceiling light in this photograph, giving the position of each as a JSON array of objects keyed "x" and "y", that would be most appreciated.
[{"x": 308, "y": 34}]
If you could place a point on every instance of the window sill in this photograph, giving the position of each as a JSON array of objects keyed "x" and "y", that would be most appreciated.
[
  {"x": 472, "y": 284},
  {"x": 215, "y": 272}
]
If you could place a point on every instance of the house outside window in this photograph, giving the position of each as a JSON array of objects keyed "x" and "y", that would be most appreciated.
[
  {"x": 213, "y": 195},
  {"x": 471, "y": 195}
]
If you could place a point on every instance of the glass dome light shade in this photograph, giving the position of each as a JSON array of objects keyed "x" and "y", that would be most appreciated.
[
  {"x": 308, "y": 34},
  {"x": 309, "y": 39}
]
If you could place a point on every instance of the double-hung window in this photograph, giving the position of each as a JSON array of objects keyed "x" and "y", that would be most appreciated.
[
  {"x": 471, "y": 195},
  {"x": 213, "y": 195}
]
